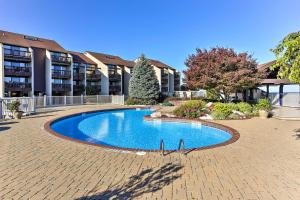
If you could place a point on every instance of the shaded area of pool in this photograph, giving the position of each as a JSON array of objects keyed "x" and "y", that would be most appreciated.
[{"x": 128, "y": 129}]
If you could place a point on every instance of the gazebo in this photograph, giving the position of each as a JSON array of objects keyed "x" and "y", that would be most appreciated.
[{"x": 272, "y": 80}]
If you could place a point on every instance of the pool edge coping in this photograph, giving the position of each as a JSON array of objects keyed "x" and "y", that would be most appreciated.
[{"x": 234, "y": 133}]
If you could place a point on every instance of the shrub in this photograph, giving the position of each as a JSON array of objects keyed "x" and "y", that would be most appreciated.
[
  {"x": 225, "y": 108},
  {"x": 234, "y": 116},
  {"x": 167, "y": 104},
  {"x": 14, "y": 106},
  {"x": 264, "y": 104},
  {"x": 245, "y": 108},
  {"x": 218, "y": 115},
  {"x": 135, "y": 101},
  {"x": 191, "y": 109}
]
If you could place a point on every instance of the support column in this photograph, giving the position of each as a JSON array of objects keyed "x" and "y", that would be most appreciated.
[{"x": 280, "y": 94}]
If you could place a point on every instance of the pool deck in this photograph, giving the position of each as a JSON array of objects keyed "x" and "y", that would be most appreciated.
[{"x": 263, "y": 164}]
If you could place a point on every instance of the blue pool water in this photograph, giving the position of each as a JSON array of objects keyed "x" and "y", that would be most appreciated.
[{"x": 128, "y": 129}]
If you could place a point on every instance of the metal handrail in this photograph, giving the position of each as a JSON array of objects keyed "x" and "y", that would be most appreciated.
[
  {"x": 181, "y": 146},
  {"x": 162, "y": 147}
]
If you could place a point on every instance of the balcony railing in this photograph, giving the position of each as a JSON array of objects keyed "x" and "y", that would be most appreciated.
[
  {"x": 164, "y": 75},
  {"x": 78, "y": 76},
  {"x": 164, "y": 81},
  {"x": 164, "y": 89},
  {"x": 17, "y": 86},
  {"x": 17, "y": 71},
  {"x": 114, "y": 88},
  {"x": 66, "y": 74},
  {"x": 93, "y": 77},
  {"x": 114, "y": 77},
  {"x": 61, "y": 59},
  {"x": 93, "y": 89},
  {"x": 17, "y": 55},
  {"x": 61, "y": 87},
  {"x": 78, "y": 88}
]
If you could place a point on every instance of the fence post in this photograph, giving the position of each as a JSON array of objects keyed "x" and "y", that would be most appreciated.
[
  {"x": 81, "y": 99},
  {"x": 97, "y": 96},
  {"x": 1, "y": 115},
  {"x": 65, "y": 100},
  {"x": 123, "y": 99},
  {"x": 33, "y": 103},
  {"x": 45, "y": 100}
]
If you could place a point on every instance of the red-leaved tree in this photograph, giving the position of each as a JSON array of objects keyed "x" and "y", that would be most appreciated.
[{"x": 221, "y": 70}]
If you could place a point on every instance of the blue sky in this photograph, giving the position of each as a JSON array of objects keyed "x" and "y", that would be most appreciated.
[{"x": 167, "y": 30}]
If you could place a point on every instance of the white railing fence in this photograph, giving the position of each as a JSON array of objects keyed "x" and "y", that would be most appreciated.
[
  {"x": 190, "y": 94},
  {"x": 30, "y": 104}
]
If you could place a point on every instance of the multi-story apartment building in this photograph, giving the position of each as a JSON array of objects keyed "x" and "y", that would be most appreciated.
[
  {"x": 114, "y": 72},
  {"x": 168, "y": 77},
  {"x": 86, "y": 75},
  {"x": 26, "y": 64},
  {"x": 37, "y": 66}
]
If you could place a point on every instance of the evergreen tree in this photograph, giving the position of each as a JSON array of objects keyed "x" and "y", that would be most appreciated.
[{"x": 143, "y": 84}]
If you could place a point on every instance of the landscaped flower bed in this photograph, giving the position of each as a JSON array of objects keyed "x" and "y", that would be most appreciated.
[{"x": 220, "y": 111}]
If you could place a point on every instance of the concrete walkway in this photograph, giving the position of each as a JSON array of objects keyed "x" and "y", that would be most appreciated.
[
  {"x": 287, "y": 113},
  {"x": 263, "y": 164}
]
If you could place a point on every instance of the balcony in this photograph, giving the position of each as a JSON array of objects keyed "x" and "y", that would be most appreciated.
[
  {"x": 93, "y": 89},
  {"x": 78, "y": 88},
  {"x": 93, "y": 77},
  {"x": 61, "y": 87},
  {"x": 78, "y": 76},
  {"x": 114, "y": 77},
  {"x": 64, "y": 74},
  {"x": 176, "y": 81},
  {"x": 61, "y": 60},
  {"x": 17, "y": 71},
  {"x": 17, "y": 55},
  {"x": 115, "y": 88},
  {"x": 164, "y": 81},
  {"x": 17, "y": 87},
  {"x": 164, "y": 89},
  {"x": 165, "y": 75}
]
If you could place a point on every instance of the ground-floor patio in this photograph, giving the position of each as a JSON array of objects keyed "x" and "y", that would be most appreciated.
[{"x": 263, "y": 164}]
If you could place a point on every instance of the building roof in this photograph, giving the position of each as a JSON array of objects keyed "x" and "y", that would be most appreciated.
[
  {"x": 160, "y": 64},
  {"x": 29, "y": 41},
  {"x": 110, "y": 59},
  {"x": 266, "y": 66},
  {"x": 275, "y": 81},
  {"x": 81, "y": 58}
]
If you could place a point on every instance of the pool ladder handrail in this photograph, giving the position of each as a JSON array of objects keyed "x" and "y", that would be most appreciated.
[
  {"x": 162, "y": 147},
  {"x": 181, "y": 146}
]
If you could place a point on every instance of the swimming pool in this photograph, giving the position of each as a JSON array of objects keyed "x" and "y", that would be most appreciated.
[{"x": 127, "y": 129}]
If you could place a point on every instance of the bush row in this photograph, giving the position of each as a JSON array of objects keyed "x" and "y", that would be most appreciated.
[{"x": 197, "y": 108}]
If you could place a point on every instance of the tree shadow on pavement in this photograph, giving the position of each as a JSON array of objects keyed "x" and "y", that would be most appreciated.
[
  {"x": 147, "y": 181},
  {"x": 297, "y": 135}
]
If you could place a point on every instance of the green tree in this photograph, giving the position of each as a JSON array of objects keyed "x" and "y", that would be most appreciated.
[
  {"x": 287, "y": 54},
  {"x": 143, "y": 84}
]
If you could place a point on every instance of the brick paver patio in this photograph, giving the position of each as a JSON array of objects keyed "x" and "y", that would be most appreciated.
[{"x": 263, "y": 164}]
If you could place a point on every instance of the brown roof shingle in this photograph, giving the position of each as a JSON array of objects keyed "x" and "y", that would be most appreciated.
[
  {"x": 81, "y": 58},
  {"x": 159, "y": 64},
  {"x": 29, "y": 41},
  {"x": 110, "y": 59}
]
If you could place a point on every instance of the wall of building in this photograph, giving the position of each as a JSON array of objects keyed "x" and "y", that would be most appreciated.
[
  {"x": 158, "y": 75},
  {"x": 127, "y": 77},
  {"x": 104, "y": 74},
  {"x": 39, "y": 59},
  {"x": 48, "y": 75},
  {"x": 1, "y": 71}
]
